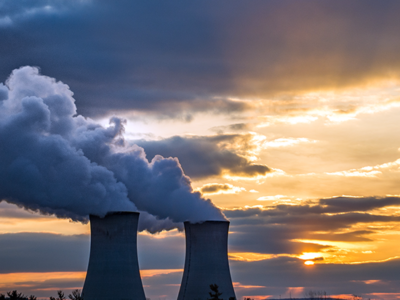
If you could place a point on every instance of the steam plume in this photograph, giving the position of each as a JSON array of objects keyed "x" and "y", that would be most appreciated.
[{"x": 56, "y": 162}]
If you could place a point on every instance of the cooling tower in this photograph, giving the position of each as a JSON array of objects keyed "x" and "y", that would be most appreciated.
[
  {"x": 206, "y": 261},
  {"x": 113, "y": 271}
]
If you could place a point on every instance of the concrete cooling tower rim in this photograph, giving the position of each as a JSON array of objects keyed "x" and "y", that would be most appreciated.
[
  {"x": 112, "y": 213},
  {"x": 202, "y": 222}
]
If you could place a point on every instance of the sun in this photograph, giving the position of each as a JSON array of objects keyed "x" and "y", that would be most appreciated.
[
  {"x": 309, "y": 263},
  {"x": 309, "y": 255}
]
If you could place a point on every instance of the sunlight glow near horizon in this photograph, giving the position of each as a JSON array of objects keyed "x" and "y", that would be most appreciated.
[{"x": 309, "y": 255}]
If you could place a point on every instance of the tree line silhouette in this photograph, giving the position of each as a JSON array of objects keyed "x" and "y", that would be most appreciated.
[
  {"x": 76, "y": 295},
  {"x": 14, "y": 295}
]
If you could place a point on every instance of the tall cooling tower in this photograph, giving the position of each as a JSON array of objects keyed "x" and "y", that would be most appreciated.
[
  {"x": 206, "y": 261},
  {"x": 113, "y": 271}
]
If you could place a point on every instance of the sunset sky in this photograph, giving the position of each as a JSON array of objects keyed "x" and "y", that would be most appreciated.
[{"x": 284, "y": 113}]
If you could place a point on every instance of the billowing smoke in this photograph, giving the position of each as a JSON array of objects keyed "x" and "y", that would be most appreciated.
[{"x": 56, "y": 162}]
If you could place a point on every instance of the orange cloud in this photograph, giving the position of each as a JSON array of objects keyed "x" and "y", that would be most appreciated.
[
  {"x": 33, "y": 279},
  {"x": 243, "y": 286},
  {"x": 155, "y": 272},
  {"x": 250, "y": 256}
]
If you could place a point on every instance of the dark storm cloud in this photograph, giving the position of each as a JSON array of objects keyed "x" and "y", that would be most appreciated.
[
  {"x": 269, "y": 239},
  {"x": 341, "y": 204},
  {"x": 166, "y": 285},
  {"x": 161, "y": 253},
  {"x": 125, "y": 53},
  {"x": 43, "y": 252},
  {"x": 273, "y": 229},
  {"x": 203, "y": 156},
  {"x": 214, "y": 188},
  {"x": 312, "y": 220},
  {"x": 352, "y": 205},
  {"x": 354, "y": 236},
  {"x": 174, "y": 57}
]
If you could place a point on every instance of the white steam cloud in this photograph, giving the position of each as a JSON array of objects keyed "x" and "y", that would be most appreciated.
[{"x": 56, "y": 162}]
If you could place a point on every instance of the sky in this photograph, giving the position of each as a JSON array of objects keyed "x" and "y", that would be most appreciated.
[{"x": 284, "y": 113}]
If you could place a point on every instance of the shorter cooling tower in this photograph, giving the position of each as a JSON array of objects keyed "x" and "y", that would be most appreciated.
[
  {"x": 206, "y": 261},
  {"x": 113, "y": 271}
]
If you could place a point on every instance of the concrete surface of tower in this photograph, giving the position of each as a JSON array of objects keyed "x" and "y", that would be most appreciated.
[
  {"x": 206, "y": 261},
  {"x": 113, "y": 271}
]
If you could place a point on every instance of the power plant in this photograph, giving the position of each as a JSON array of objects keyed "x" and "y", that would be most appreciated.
[
  {"x": 206, "y": 261},
  {"x": 113, "y": 271}
]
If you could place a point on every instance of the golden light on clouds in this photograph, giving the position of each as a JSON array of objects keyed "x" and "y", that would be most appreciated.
[
  {"x": 337, "y": 244},
  {"x": 286, "y": 142},
  {"x": 380, "y": 247},
  {"x": 253, "y": 256},
  {"x": 49, "y": 225},
  {"x": 34, "y": 278},
  {"x": 309, "y": 255},
  {"x": 371, "y": 281},
  {"x": 243, "y": 286},
  {"x": 250, "y": 256},
  {"x": 292, "y": 120},
  {"x": 309, "y": 263},
  {"x": 279, "y": 199},
  {"x": 334, "y": 106},
  {"x": 156, "y": 272}
]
